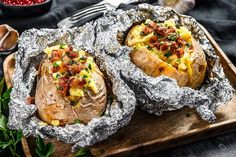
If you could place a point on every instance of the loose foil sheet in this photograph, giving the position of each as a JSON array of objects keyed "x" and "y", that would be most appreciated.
[{"x": 130, "y": 85}]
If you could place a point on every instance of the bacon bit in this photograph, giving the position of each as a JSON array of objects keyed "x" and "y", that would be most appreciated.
[
  {"x": 174, "y": 46},
  {"x": 56, "y": 55},
  {"x": 161, "y": 31},
  {"x": 56, "y": 69},
  {"x": 180, "y": 41},
  {"x": 63, "y": 86},
  {"x": 164, "y": 47},
  {"x": 153, "y": 39},
  {"x": 147, "y": 30},
  {"x": 191, "y": 47},
  {"x": 70, "y": 48},
  {"x": 77, "y": 68},
  {"x": 156, "y": 44},
  {"x": 170, "y": 30},
  {"x": 152, "y": 24},
  {"x": 30, "y": 100},
  {"x": 179, "y": 52},
  {"x": 73, "y": 54},
  {"x": 77, "y": 83}
]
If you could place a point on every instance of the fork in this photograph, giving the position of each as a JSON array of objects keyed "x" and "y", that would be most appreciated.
[{"x": 91, "y": 12}]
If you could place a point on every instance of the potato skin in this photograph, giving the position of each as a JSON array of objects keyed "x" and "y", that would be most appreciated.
[
  {"x": 198, "y": 66},
  {"x": 153, "y": 66},
  {"x": 52, "y": 106}
]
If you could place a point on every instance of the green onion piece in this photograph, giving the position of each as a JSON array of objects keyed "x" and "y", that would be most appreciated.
[
  {"x": 168, "y": 54},
  {"x": 57, "y": 76},
  {"x": 188, "y": 44},
  {"x": 172, "y": 37},
  {"x": 55, "y": 65},
  {"x": 85, "y": 76},
  {"x": 62, "y": 46},
  {"x": 149, "y": 47},
  {"x": 90, "y": 67}
]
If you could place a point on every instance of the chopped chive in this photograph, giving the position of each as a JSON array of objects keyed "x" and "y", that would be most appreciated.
[
  {"x": 57, "y": 76},
  {"x": 172, "y": 37},
  {"x": 90, "y": 67},
  {"x": 168, "y": 54},
  {"x": 82, "y": 58},
  {"x": 149, "y": 47},
  {"x": 188, "y": 44},
  {"x": 55, "y": 65},
  {"x": 62, "y": 46},
  {"x": 85, "y": 76}
]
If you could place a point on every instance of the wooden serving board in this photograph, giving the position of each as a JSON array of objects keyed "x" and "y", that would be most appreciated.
[{"x": 148, "y": 133}]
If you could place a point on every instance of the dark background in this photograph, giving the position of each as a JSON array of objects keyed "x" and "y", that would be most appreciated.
[{"x": 217, "y": 16}]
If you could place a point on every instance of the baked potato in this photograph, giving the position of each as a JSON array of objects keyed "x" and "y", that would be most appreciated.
[
  {"x": 167, "y": 49},
  {"x": 70, "y": 87}
]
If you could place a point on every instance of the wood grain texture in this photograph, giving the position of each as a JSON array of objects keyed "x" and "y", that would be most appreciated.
[{"x": 148, "y": 133}]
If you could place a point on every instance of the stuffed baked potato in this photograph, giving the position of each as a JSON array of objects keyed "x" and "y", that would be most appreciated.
[
  {"x": 167, "y": 49},
  {"x": 70, "y": 87}
]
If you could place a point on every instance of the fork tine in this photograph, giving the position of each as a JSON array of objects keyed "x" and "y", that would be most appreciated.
[
  {"x": 87, "y": 16},
  {"x": 88, "y": 9},
  {"x": 88, "y": 13}
]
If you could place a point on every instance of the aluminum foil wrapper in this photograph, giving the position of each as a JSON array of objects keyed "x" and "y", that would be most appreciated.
[
  {"x": 156, "y": 95},
  {"x": 23, "y": 116},
  {"x": 130, "y": 85}
]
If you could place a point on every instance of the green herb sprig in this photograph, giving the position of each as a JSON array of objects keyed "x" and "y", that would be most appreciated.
[
  {"x": 44, "y": 150},
  {"x": 83, "y": 152},
  {"x": 9, "y": 139}
]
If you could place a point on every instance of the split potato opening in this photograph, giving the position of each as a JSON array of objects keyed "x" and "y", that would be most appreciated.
[
  {"x": 70, "y": 87},
  {"x": 165, "y": 48}
]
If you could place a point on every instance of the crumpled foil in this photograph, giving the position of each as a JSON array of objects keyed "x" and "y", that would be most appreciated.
[
  {"x": 156, "y": 95},
  {"x": 130, "y": 85},
  {"x": 23, "y": 116}
]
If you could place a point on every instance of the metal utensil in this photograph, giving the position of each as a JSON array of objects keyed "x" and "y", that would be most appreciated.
[{"x": 84, "y": 15}]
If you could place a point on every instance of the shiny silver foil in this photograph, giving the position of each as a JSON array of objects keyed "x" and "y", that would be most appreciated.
[
  {"x": 156, "y": 95},
  {"x": 130, "y": 85}
]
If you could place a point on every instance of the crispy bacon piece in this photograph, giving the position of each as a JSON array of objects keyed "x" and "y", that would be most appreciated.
[
  {"x": 180, "y": 41},
  {"x": 146, "y": 30},
  {"x": 179, "y": 52},
  {"x": 56, "y": 55},
  {"x": 164, "y": 47},
  {"x": 160, "y": 31},
  {"x": 63, "y": 86},
  {"x": 153, "y": 39},
  {"x": 55, "y": 69},
  {"x": 73, "y": 54},
  {"x": 77, "y": 83}
]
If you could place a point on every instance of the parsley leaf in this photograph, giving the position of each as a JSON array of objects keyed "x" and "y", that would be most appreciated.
[
  {"x": 43, "y": 150},
  {"x": 83, "y": 152},
  {"x": 9, "y": 138}
]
